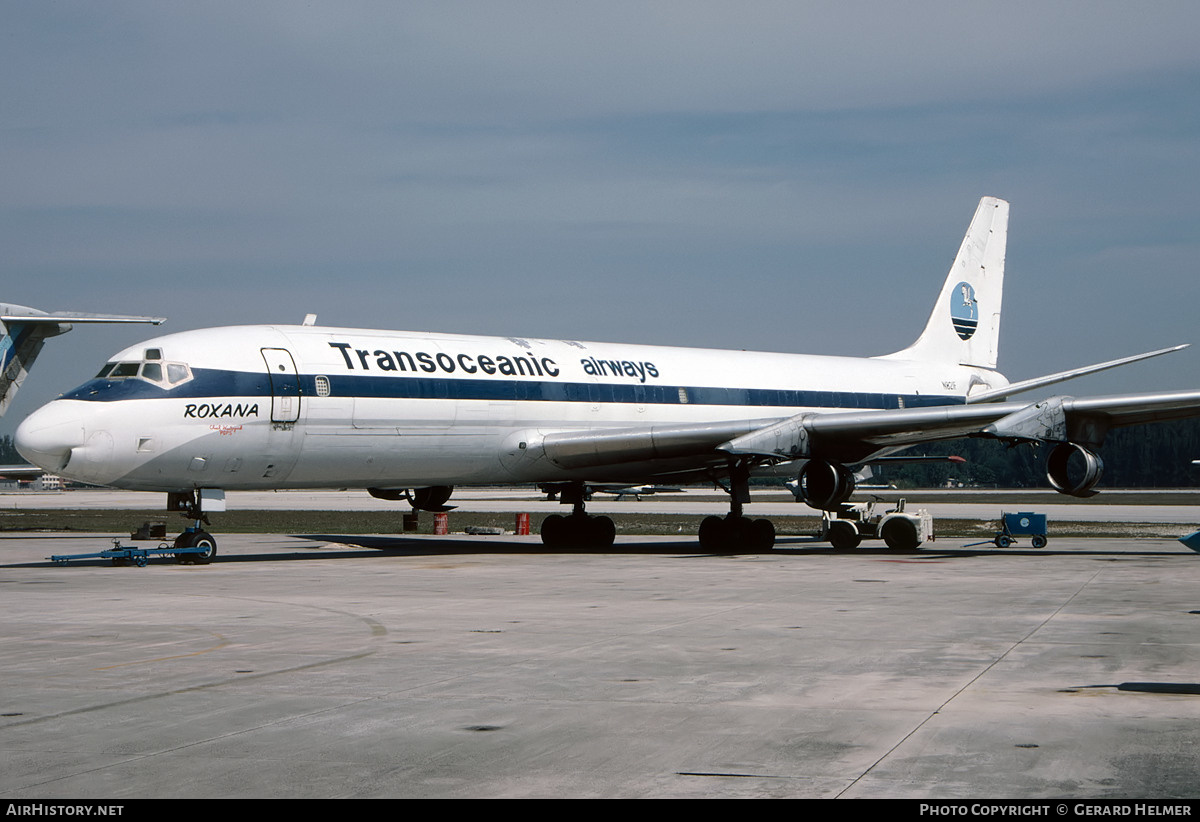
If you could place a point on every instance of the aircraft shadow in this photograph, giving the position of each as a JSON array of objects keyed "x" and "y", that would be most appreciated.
[
  {"x": 1184, "y": 688},
  {"x": 417, "y": 546},
  {"x": 367, "y": 546}
]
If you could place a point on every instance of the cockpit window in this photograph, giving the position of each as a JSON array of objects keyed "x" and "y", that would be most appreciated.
[{"x": 152, "y": 370}]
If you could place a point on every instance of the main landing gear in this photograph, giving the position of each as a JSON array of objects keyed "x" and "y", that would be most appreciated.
[
  {"x": 718, "y": 535},
  {"x": 194, "y": 536},
  {"x": 735, "y": 532},
  {"x": 578, "y": 529}
]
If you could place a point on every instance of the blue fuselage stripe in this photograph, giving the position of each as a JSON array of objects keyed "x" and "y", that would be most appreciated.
[{"x": 220, "y": 384}]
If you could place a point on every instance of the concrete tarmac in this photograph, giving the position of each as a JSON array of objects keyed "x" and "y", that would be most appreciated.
[{"x": 339, "y": 666}]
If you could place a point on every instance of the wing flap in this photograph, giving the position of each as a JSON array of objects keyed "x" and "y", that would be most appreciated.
[{"x": 594, "y": 449}]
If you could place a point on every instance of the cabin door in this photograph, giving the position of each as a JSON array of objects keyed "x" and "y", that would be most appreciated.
[{"x": 285, "y": 385}]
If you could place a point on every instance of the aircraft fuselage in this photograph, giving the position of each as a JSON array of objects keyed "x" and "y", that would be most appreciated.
[{"x": 252, "y": 407}]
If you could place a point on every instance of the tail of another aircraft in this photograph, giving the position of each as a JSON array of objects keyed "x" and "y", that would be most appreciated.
[
  {"x": 20, "y": 344},
  {"x": 964, "y": 328},
  {"x": 23, "y": 331}
]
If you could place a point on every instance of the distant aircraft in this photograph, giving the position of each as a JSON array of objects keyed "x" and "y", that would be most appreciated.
[
  {"x": 410, "y": 415},
  {"x": 636, "y": 491},
  {"x": 862, "y": 476},
  {"x": 23, "y": 331}
]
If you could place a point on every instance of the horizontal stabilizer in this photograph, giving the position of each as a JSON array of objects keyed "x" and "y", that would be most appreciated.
[{"x": 58, "y": 317}]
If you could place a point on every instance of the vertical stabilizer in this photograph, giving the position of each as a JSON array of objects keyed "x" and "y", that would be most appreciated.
[
  {"x": 964, "y": 328},
  {"x": 20, "y": 343}
]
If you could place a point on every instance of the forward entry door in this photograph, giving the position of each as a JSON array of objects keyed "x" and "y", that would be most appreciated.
[{"x": 285, "y": 385}]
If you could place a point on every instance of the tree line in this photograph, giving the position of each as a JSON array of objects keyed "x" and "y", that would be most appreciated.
[{"x": 1158, "y": 455}]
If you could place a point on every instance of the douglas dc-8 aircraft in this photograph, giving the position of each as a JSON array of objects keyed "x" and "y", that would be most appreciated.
[{"x": 410, "y": 415}]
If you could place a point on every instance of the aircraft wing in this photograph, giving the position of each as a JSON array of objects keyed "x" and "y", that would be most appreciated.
[
  {"x": 851, "y": 437},
  {"x": 855, "y": 436}
]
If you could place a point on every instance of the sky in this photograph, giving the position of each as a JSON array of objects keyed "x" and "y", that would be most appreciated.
[{"x": 782, "y": 176}]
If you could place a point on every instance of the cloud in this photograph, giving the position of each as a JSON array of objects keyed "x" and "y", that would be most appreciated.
[{"x": 790, "y": 176}]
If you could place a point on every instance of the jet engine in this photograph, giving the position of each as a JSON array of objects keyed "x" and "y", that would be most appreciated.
[
  {"x": 431, "y": 498},
  {"x": 825, "y": 485},
  {"x": 1073, "y": 469}
]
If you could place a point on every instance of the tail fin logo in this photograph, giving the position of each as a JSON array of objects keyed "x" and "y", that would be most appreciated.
[{"x": 964, "y": 311}]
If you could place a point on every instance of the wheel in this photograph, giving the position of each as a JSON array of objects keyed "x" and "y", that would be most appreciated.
[
  {"x": 1003, "y": 541},
  {"x": 196, "y": 539},
  {"x": 843, "y": 536},
  {"x": 202, "y": 539},
  {"x": 715, "y": 535},
  {"x": 900, "y": 534},
  {"x": 1038, "y": 542},
  {"x": 601, "y": 532},
  {"x": 762, "y": 535},
  {"x": 554, "y": 531}
]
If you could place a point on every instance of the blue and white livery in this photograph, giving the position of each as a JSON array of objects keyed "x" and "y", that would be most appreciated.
[{"x": 410, "y": 415}]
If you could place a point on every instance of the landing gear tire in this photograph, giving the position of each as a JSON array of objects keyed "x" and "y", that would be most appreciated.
[
  {"x": 196, "y": 539},
  {"x": 602, "y": 530},
  {"x": 553, "y": 530},
  {"x": 578, "y": 531},
  {"x": 762, "y": 535},
  {"x": 714, "y": 535},
  {"x": 733, "y": 534}
]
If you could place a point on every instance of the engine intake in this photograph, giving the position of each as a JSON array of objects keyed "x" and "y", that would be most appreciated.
[
  {"x": 825, "y": 485},
  {"x": 1074, "y": 470}
]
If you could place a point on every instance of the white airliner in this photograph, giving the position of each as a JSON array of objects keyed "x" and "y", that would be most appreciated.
[{"x": 410, "y": 415}]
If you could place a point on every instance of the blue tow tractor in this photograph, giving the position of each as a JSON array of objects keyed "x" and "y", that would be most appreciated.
[
  {"x": 1192, "y": 541},
  {"x": 1021, "y": 524},
  {"x": 193, "y": 546}
]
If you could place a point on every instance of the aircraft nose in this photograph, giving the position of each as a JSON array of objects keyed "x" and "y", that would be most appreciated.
[{"x": 47, "y": 436}]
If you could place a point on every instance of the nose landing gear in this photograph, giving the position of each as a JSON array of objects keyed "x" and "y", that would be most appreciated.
[
  {"x": 202, "y": 544},
  {"x": 202, "y": 541}
]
